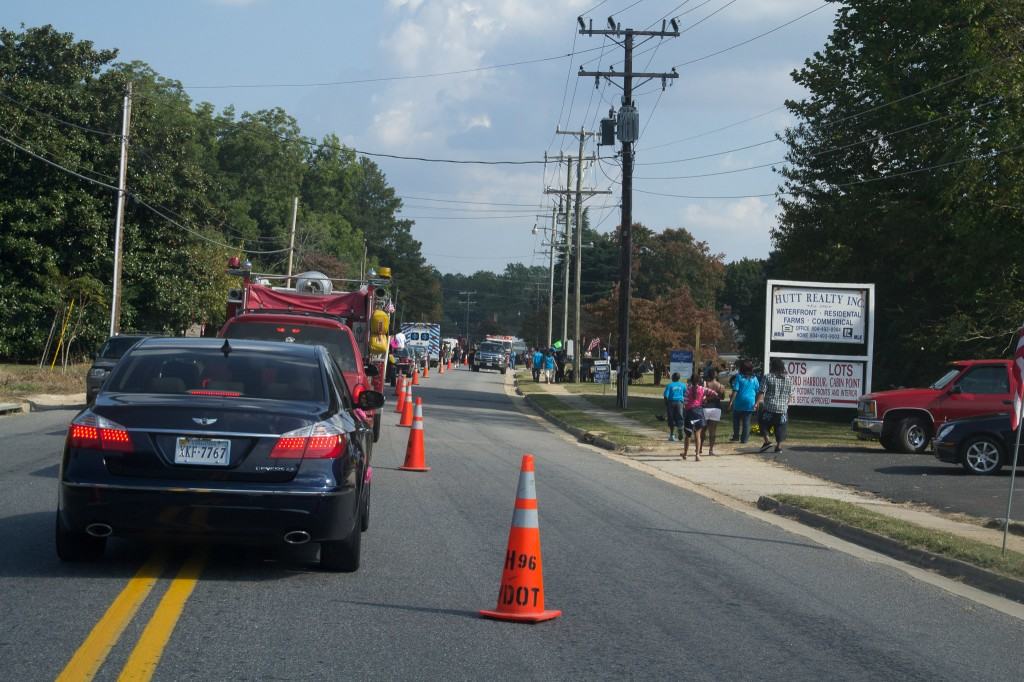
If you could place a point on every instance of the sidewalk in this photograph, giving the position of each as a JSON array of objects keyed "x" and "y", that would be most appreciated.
[{"x": 737, "y": 471}]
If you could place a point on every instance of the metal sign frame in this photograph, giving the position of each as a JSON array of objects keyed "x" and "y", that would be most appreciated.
[{"x": 869, "y": 332}]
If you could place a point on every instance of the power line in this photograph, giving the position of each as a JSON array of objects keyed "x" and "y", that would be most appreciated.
[
  {"x": 132, "y": 196},
  {"x": 752, "y": 39},
  {"x": 994, "y": 153},
  {"x": 55, "y": 119},
  {"x": 864, "y": 140},
  {"x": 715, "y": 130},
  {"x": 382, "y": 79}
]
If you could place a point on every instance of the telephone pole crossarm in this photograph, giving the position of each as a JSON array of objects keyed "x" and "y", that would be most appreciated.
[{"x": 636, "y": 74}]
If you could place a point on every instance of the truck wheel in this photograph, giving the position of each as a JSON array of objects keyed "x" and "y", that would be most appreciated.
[
  {"x": 888, "y": 442},
  {"x": 913, "y": 435},
  {"x": 982, "y": 456},
  {"x": 376, "y": 426}
]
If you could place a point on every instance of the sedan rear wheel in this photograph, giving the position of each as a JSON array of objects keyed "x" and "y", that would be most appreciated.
[
  {"x": 342, "y": 556},
  {"x": 982, "y": 456},
  {"x": 77, "y": 546},
  {"x": 364, "y": 517}
]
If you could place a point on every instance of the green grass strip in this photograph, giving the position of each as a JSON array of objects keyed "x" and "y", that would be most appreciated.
[
  {"x": 937, "y": 542},
  {"x": 582, "y": 420}
]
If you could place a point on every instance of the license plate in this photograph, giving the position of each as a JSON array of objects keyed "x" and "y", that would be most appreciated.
[{"x": 205, "y": 451}]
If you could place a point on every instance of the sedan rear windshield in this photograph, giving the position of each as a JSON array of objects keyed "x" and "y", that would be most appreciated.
[
  {"x": 337, "y": 343},
  {"x": 206, "y": 371},
  {"x": 116, "y": 346}
]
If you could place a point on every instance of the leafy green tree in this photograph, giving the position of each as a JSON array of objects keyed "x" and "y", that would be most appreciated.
[{"x": 901, "y": 171}]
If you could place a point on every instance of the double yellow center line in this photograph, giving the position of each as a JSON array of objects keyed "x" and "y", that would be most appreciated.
[{"x": 147, "y": 652}]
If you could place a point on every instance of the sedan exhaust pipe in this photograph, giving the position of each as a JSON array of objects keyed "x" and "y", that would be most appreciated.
[
  {"x": 296, "y": 537},
  {"x": 99, "y": 530}
]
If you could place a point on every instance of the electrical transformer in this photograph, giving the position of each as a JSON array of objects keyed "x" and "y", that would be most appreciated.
[{"x": 629, "y": 124}]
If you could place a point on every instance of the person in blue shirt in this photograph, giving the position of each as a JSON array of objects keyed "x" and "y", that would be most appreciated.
[
  {"x": 538, "y": 364},
  {"x": 745, "y": 388},
  {"x": 549, "y": 367},
  {"x": 673, "y": 394}
]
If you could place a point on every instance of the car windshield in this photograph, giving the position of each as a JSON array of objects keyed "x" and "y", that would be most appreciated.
[
  {"x": 946, "y": 378},
  {"x": 207, "y": 371},
  {"x": 491, "y": 348},
  {"x": 337, "y": 343},
  {"x": 116, "y": 346}
]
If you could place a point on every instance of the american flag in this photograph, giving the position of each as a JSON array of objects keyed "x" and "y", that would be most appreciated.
[
  {"x": 596, "y": 341},
  {"x": 1018, "y": 377}
]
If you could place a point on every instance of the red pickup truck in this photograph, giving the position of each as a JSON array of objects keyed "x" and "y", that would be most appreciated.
[{"x": 906, "y": 419}]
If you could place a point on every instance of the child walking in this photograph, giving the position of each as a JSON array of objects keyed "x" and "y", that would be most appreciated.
[{"x": 696, "y": 393}]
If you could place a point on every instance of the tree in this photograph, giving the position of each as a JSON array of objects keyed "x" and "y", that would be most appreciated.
[
  {"x": 657, "y": 326},
  {"x": 743, "y": 291},
  {"x": 899, "y": 172},
  {"x": 673, "y": 258}
]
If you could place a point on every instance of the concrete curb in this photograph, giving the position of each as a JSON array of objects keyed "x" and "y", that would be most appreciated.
[
  {"x": 580, "y": 434},
  {"x": 974, "y": 576}
]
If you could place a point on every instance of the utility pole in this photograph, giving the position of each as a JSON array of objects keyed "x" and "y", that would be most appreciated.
[
  {"x": 291, "y": 245},
  {"x": 568, "y": 193},
  {"x": 551, "y": 270},
  {"x": 122, "y": 192},
  {"x": 628, "y": 132},
  {"x": 469, "y": 296}
]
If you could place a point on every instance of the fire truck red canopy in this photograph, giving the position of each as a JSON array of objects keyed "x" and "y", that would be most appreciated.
[{"x": 349, "y": 305}]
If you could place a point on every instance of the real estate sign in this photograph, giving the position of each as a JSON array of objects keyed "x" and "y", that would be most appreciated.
[
  {"x": 826, "y": 383},
  {"x": 818, "y": 314}
]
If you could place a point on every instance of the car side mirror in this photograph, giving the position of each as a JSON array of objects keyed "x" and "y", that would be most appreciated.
[
  {"x": 370, "y": 400},
  {"x": 956, "y": 390},
  {"x": 371, "y": 370}
]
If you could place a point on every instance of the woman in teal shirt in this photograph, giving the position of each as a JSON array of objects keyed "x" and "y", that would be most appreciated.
[{"x": 745, "y": 388}]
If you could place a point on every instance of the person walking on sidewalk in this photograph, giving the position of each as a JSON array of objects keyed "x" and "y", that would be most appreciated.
[
  {"x": 713, "y": 407},
  {"x": 777, "y": 392},
  {"x": 693, "y": 403},
  {"x": 538, "y": 365},
  {"x": 673, "y": 394},
  {"x": 549, "y": 367},
  {"x": 745, "y": 388}
]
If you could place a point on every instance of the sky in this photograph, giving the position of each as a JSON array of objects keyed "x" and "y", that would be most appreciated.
[{"x": 297, "y": 54}]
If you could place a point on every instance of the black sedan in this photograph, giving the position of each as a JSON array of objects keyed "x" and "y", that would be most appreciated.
[
  {"x": 981, "y": 445},
  {"x": 226, "y": 440}
]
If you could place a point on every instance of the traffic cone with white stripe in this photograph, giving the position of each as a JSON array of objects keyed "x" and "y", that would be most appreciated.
[
  {"x": 426, "y": 370},
  {"x": 415, "y": 457},
  {"x": 440, "y": 367},
  {"x": 407, "y": 410},
  {"x": 416, "y": 377},
  {"x": 400, "y": 402},
  {"x": 521, "y": 595}
]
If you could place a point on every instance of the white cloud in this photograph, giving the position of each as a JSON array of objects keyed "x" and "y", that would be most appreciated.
[
  {"x": 412, "y": 5},
  {"x": 744, "y": 216},
  {"x": 479, "y": 121},
  {"x": 398, "y": 126}
]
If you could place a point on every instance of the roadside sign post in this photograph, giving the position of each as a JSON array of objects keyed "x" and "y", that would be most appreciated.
[{"x": 822, "y": 312}]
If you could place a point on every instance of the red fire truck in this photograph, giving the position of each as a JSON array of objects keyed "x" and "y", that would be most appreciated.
[{"x": 352, "y": 325}]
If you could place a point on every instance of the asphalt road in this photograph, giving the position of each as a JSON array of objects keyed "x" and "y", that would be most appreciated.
[
  {"x": 910, "y": 478},
  {"x": 654, "y": 581}
]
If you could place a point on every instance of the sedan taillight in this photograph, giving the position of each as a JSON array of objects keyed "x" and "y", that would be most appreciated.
[
  {"x": 93, "y": 432},
  {"x": 320, "y": 441}
]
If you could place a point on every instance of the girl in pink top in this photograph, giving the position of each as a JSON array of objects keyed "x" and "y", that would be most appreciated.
[{"x": 693, "y": 402}]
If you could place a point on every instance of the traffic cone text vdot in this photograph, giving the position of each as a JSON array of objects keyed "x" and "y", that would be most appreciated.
[
  {"x": 521, "y": 595},
  {"x": 415, "y": 457}
]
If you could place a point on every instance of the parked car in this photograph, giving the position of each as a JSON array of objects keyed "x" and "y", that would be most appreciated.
[
  {"x": 490, "y": 355},
  {"x": 981, "y": 445},
  {"x": 906, "y": 419},
  {"x": 106, "y": 358},
  {"x": 214, "y": 439}
]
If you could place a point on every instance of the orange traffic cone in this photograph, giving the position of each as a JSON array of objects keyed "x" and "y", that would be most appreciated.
[
  {"x": 415, "y": 377},
  {"x": 521, "y": 595},
  {"x": 440, "y": 367},
  {"x": 415, "y": 458},
  {"x": 400, "y": 403},
  {"x": 426, "y": 370},
  {"x": 406, "y": 419},
  {"x": 449, "y": 364}
]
